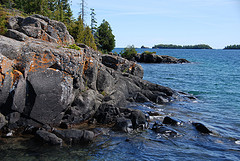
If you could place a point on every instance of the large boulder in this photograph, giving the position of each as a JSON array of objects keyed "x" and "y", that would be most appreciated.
[
  {"x": 54, "y": 92},
  {"x": 38, "y": 27}
]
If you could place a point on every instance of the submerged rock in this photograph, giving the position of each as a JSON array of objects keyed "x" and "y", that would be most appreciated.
[
  {"x": 167, "y": 131},
  {"x": 201, "y": 128},
  {"x": 171, "y": 121},
  {"x": 48, "y": 137},
  {"x": 123, "y": 124},
  {"x": 74, "y": 136}
]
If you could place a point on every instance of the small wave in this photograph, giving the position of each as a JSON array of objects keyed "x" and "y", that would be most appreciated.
[{"x": 237, "y": 142}]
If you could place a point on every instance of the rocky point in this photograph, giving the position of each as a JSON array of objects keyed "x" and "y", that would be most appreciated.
[{"x": 46, "y": 88}]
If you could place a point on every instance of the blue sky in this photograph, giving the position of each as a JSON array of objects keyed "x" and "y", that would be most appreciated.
[{"x": 182, "y": 22}]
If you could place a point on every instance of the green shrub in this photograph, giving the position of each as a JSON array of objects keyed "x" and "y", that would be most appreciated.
[
  {"x": 129, "y": 52},
  {"x": 74, "y": 46},
  {"x": 149, "y": 52},
  {"x": 3, "y": 21}
]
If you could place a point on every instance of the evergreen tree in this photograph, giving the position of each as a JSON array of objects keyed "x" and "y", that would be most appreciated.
[
  {"x": 89, "y": 39},
  {"x": 77, "y": 30},
  {"x": 105, "y": 40},
  {"x": 93, "y": 21}
]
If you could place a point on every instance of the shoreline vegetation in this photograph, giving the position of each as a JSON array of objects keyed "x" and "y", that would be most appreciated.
[{"x": 171, "y": 46}]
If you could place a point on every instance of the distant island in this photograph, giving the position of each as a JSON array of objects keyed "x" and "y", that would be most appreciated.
[
  {"x": 144, "y": 47},
  {"x": 232, "y": 47},
  {"x": 171, "y": 46}
]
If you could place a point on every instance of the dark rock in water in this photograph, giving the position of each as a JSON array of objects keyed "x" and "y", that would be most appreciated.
[
  {"x": 3, "y": 121},
  {"x": 171, "y": 121},
  {"x": 138, "y": 119},
  {"x": 153, "y": 58},
  {"x": 159, "y": 128},
  {"x": 183, "y": 61},
  {"x": 153, "y": 113},
  {"x": 48, "y": 137},
  {"x": 123, "y": 124},
  {"x": 162, "y": 100},
  {"x": 201, "y": 128},
  {"x": 73, "y": 136}
]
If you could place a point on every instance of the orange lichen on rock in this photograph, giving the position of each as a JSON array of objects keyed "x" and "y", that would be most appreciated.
[
  {"x": 88, "y": 63},
  {"x": 42, "y": 61},
  {"x": 5, "y": 65},
  {"x": 16, "y": 75},
  {"x": 132, "y": 66}
]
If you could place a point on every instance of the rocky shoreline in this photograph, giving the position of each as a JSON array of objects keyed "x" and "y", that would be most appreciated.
[
  {"x": 47, "y": 89},
  {"x": 153, "y": 58}
]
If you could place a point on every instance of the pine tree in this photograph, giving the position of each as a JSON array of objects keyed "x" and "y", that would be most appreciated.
[
  {"x": 105, "y": 40},
  {"x": 93, "y": 21}
]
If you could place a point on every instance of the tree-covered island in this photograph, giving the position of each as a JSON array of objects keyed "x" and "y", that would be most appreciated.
[
  {"x": 232, "y": 47},
  {"x": 171, "y": 46}
]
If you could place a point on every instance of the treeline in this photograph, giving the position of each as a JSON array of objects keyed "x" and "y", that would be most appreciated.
[
  {"x": 232, "y": 47},
  {"x": 171, "y": 46},
  {"x": 95, "y": 37}
]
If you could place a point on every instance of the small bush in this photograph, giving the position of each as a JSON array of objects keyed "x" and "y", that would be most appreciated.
[
  {"x": 74, "y": 46},
  {"x": 149, "y": 52},
  {"x": 129, "y": 52}
]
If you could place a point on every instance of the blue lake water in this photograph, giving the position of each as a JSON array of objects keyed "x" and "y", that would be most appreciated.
[{"x": 213, "y": 77}]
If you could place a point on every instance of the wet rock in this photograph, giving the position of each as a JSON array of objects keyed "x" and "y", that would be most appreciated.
[
  {"x": 138, "y": 119},
  {"x": 152, "y": 113},
  {"x": 201, "y": 128},
  {"x": 73, "y": 136},
  {"x": 162, "y": 100},
  {"x": 48, "y": 137},
  {"x": 123, "y": 124},
  {"x": 159, "y": 128},
  {"x": 171, "y": 121}
]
